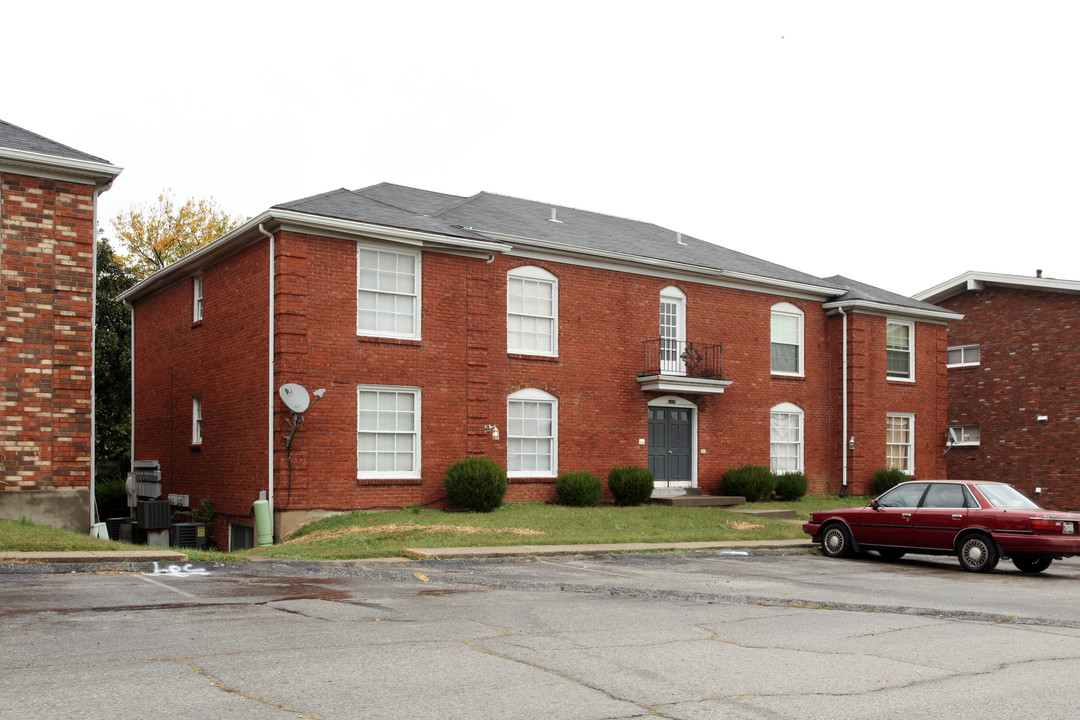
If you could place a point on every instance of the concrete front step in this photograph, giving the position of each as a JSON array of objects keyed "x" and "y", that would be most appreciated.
[{"x": 700, "y": 500}]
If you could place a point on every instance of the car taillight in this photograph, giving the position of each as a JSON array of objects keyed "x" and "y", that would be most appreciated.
[{"x": 1049, "y": 525}]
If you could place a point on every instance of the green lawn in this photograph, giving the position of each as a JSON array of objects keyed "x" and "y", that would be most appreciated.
[{"x": 360, "y": 535}]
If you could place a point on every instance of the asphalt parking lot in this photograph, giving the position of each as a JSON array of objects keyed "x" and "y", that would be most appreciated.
[{"x": 760, "y": 634}]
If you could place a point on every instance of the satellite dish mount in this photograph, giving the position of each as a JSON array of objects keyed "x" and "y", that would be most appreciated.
[{"x": 298, "y": 401}]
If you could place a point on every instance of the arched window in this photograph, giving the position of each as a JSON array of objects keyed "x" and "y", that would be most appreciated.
[
  {"x": 786, "y": 438},
  {"x": 532, "y": 433},
  {"x": 532, "y": 311},
  {"x": 787, "y": 339}
]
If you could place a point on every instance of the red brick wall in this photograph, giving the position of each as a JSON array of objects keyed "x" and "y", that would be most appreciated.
[
  {"x": 1030, "y": 366},
  {"x": 872, "y": 397},
  {"x": 46, "y": 322},
  {"x": 465, "y": 374}
]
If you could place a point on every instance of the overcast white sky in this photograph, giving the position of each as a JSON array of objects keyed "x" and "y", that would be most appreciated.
[{"x": 897, "y": 143}]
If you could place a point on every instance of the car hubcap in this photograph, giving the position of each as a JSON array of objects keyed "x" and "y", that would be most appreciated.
[
  {"x": 975, "y": 554},
  {"x": 834, "y": 541}
]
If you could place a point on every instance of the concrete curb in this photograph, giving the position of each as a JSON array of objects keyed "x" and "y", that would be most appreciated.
[
  {"x": 94, "y": 556},
  {"x": 614, "y": 548}
]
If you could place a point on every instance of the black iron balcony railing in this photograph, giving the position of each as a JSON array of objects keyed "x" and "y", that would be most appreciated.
[{"x": 674, "y": 357}]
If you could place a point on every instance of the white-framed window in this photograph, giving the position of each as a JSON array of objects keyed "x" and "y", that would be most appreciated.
[
  {"x": 532, "y": 433},
  {"x": 900, "y": 442},
  {"x": 672, "y": 330},
  {"x": 387, "y": 293},
  {"x": 196, "y": 419},
  {"x": 787, "y": 339},
  {"x": 532, "y": 311},
  {"x": 900, "y": 350},
  {"x": 961, "y": 435},
  {"x": 786, "y": 438},
  {"x": 963, "y": 356},
  {"x": 387, "y": 432},
  {"x": 196, "y": 303}
]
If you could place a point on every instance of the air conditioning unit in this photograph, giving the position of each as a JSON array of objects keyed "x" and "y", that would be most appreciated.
[
  {"x": 188, "y": 535},
  {"x": 153, "y": 514}
]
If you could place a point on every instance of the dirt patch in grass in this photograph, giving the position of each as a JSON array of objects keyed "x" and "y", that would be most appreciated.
[
  {"x": 407, "y": 527},
  {"x": 744, "y": 526}
]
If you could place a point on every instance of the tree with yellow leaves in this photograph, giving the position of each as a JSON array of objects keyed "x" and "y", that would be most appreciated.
[{"x": 161, "y": 234}]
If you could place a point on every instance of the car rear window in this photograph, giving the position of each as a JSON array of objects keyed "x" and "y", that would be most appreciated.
[{"x": 1005, "y": 496}]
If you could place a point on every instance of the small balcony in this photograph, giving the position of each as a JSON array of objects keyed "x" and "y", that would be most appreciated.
[{"x": 683, "y": 367}]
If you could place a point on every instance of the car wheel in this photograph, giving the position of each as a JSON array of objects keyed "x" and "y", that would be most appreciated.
[
  {"x": 891, "y": 555},
  {"x": 836, "y": 540},
  {"x": 1032, "y": 563},
  {"x": 977, "y": 553}
]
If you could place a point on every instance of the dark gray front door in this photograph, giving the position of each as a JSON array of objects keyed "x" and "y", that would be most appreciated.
[{"x": 670, "y": 446}]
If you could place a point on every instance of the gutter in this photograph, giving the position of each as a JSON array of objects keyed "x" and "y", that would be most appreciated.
[{"x": 270, "y": 379}]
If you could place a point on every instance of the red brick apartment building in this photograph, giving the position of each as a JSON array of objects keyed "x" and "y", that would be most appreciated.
[
  {"x": 1014, "y": 382},
  {"x": 48, "y": 199},
  {"x": 545, "y": 337}
]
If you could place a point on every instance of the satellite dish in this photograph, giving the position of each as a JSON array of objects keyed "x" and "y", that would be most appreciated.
[{"x": 295, "y": 397}]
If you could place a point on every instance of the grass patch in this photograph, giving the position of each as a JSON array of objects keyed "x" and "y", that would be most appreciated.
[
  {"x": 811, "y": 503},
  {"x": 25, "y": 536},
  {"x": 386, "y": 534}
]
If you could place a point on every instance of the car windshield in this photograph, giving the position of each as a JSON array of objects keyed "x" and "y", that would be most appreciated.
[{"x": 1006, "y": 496}]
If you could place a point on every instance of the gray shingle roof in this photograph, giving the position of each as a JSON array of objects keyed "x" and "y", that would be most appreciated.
[
  {"x": 500, "y": 214},
  {"x": 861, "y": 291},
  {"x": 16, "y": 138}
]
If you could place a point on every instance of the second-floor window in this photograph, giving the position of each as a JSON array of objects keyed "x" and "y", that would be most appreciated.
[
  {"x": 532, "y": 317},
  {"x": 899, "y": 350},
  {"x": 963, "y": 356},
  {"x": 964, "y": 434},
  {"x": 387, "y": 293},
  {"x": 672, "y": 330},
  {"x": 196, "y": 315},
  {"x": 787, "y": 339}
]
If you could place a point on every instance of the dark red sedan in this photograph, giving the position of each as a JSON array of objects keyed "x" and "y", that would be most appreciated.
[{"x": 979, "y": 522}]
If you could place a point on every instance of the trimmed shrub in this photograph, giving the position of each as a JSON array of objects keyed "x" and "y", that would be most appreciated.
[
  {"x": 476, "y": 483},
  {"x": 752, "y": 482},
  {"x": 631, "y": 485},
  {"x": 887, "y": 478},
  {"x": 578, "y": 489},
  {"x": 791, "y": 486}
]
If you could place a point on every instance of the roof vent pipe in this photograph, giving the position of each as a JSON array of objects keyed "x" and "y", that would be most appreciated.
[
  {"x": 678, "y": 238},
  {"x": 553, "y": 218}
]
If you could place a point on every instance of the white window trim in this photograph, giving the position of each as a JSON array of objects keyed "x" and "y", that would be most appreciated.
[
  {"x": 197, "y": 299},
  {"x": 788, "y": 310},
  {"x": 960, "y": 433},
  {"x": 910, "y": 469},
  {"x": 787, "y": 408},
  {"x": 196, "y": 419},
  {"x": 963, "y": 363},
  {"x": 535, "y": 395},
  {"x": 911, "y": 350},
  {"x": 417, "y": 460},
  {"x": 418, "y": 285},
  {"x": 532, "y": 272}
]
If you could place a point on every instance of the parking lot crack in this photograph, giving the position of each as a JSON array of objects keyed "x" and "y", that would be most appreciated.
[{"x": 220, "y": 685}]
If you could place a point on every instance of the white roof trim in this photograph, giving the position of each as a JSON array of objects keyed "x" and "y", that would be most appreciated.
[
  {"x": 641, "y": 260},
  {"x": 878, "y": 308},
  {"x": 57, "y": 168},
  {"x": 973, "y": 280},
  {"x": 233, "y": 241}
]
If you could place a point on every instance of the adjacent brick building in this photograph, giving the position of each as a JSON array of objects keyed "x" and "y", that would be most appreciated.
[
  {"x": 48, "y": 199},
  {"x": 1014, "y": 382},
  {"x": 546, "y": 337}
]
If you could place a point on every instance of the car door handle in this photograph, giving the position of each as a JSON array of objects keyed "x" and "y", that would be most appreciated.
[
  {"x": 905, "y": 515},
  {"x": 957, "y": 516}
]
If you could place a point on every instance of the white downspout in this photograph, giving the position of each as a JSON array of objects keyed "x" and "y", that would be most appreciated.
[
  {"x": 271, "y": 394},
  {"x": 844, "y": 384}
]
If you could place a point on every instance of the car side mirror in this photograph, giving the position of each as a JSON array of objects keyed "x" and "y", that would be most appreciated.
[{"x": 873, "y": 503}]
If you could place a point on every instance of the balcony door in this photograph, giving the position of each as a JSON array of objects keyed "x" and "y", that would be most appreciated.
[{"x": 672, "y": 331}]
